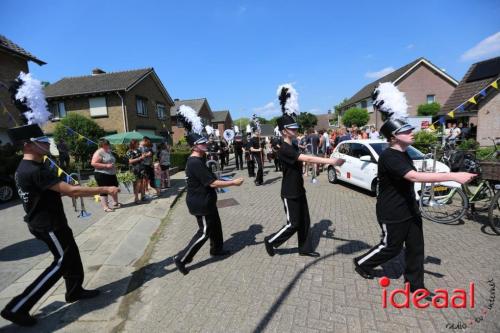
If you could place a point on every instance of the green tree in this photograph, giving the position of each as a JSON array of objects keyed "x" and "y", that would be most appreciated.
[
  {"x": 424, "y": 141},
  {"x": 337, "y": 108},
  {"x": 306, "y": 120},
  {"x": 80, "y": 148},
  {"x": 430, "y": 109},
  {"x": 242, "y": 123},
  {"x": 356, "y": 116}
]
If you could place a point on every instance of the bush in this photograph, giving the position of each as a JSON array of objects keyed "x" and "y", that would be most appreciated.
[
  {"x": 424, "y": 141},
  {"x": 470, "y": 144},
  {"x": 430, "y": 109},
  {"x": 356, "y": 116},
  {"x": 306, "y": 120},
  {"x": 485, "y": 154},
  {"x": 179, "y": 159},
  {"x": 79, "y": 148}
]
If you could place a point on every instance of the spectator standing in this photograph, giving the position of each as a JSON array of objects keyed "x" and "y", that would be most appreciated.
[
  {"x": 63, "y": 154},
  {"x": 135, "y": 159},
  {"x": 164, "y": 159},
  {"x": 105, "y": 173}
]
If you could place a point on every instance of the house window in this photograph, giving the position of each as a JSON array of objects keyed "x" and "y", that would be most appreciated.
[
  {"x": 58, "y": 110},
  {"x": 98, "y": 107},
  {"x": 179, "y": 123},
  {"x": 364, "y": 104},
  {"x": 161, "y": 112},
  {"x": 142, "y": 106},
  {"x": 431, "y": 99}
]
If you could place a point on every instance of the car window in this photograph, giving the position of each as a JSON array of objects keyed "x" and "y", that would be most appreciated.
[
  {"x": 345, "y": 148},
  {"x": 359, "y": 150},
  {"x": 414, "y": 153}
]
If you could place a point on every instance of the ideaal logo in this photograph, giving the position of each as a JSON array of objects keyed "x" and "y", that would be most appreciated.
[{"x": 460, "y": 298}]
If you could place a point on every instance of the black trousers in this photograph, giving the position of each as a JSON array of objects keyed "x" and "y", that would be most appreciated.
[
  {"x": 209, "y": 227},
  {"x": 298, "y": 221},
  {"x": 277, "y": 163},
  {"x": 67, "y": 263},
  {"x": 238, "y": 157},
  {"x": 251, "y": 167},
  {"x": 260, "y": 168},
  {"x": 409, "y": 233},
  {"x": 222, "y": 161}
]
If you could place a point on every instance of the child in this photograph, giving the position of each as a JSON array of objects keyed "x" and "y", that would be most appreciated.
[{"x": 158, "y": 176}]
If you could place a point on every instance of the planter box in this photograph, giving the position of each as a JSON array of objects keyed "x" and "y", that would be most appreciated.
[{"x": 490, "y": 170}]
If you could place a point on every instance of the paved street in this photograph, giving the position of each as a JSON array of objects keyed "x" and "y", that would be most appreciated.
[{"x": 250, "y": 291}]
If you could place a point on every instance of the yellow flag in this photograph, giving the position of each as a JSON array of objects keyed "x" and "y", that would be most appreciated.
[
  {"x": 451, "y": 114},
  {"x": 77, "y": 183},
  {"x": 96, "y": 198},
  {"x": 495, "y": 84},
  {"x": 473, "y": 100},
  {"x": 45, "y": 158},
  {"x": 432, "y": 127},
  {"x": 80, "y": 137},
  {"x": 59, "y": 172}
]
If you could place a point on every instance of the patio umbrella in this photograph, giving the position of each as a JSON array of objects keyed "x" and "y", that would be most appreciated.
[{"x": 126, "y": 137}]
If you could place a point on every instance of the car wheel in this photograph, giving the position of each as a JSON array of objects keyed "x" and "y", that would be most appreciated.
[
  {"x": 375, "y": 187},
  {"x": 332, "y": 175},
  {"x": 6, "y": 192}
]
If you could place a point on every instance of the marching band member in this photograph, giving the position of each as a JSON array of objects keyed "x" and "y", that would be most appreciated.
[
  {"x": 256, "y": 150},
  {"x": 238, "y": 151},
  {"x": 201, "y": 196},
  {"x": 293, "y": 193},
  {"x": 397, "y": 209}
]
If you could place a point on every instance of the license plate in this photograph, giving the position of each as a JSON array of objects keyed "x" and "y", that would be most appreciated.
[{"x": 440, "y": 188}]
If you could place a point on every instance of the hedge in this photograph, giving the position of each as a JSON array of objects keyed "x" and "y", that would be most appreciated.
[{"x": 179, "y": 159}]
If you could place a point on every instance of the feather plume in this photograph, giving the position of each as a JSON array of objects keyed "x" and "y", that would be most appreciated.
[
  {"x": 391, "y": 101},
  {"x": 191, "y": 121},
  {"x": 255, "y": 123},
  {"x": 209, "y": 129},
  {"x": 289, "y": 99},
  {"x": 30, "y": 99}
]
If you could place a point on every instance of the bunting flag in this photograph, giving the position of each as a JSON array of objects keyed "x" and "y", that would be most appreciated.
[
  {"x": 483, "y": 92},
  {"x": 494, "y": 84},
  {"x": 96, "y": 198},
  {"x": 45, "y": 158},
  {"x": 461, "y": 108},
  {"x": 80, "y": 137},
  {"x": 432, "y": 127},
  {"x": 442, "y": 120},
  {"x": 89, "y": 143},
  {"x": 52, "y": 164},
  {"x": 472, "y": 100},
  {"x": 68, "y": 179},
  {"x": 451, "y": 114},
  {"x": 59, "y": 172}
]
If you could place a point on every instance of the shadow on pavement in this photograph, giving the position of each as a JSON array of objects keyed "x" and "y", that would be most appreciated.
[
  {"x": 24, "y": 249},
  {"x": 58, "y": 315},
  {"x": 238, "y": 241},
  {"x": 271, "y": 180}
]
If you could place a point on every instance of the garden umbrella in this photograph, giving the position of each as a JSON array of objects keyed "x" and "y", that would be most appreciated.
[{"x": 126, "y": 137}]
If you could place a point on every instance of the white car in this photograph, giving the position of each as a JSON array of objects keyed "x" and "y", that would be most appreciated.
[{"x": 361, "y": 163}]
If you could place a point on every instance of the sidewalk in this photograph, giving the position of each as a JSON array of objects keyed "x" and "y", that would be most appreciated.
[{"x": 111, "y": 250}]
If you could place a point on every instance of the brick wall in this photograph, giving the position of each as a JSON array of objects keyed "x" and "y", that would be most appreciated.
[
  {"x": 10, "y": 66},
  {"x": 422, "y": 82},
  {"x": 147, "y": 89},
  {"x": 112, "y": 123},
  {"x": 488, "y": 121}
]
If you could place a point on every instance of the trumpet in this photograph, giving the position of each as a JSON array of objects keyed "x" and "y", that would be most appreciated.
[{"x": 83, "y": 212}]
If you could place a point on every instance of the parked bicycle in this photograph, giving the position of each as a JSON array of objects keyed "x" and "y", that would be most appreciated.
[
  {"x": 494, "y": 211},
  {"x": 448, "y": 202}
]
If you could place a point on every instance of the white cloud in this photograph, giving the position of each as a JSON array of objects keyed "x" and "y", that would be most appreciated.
[
  {"x": 380, "y": 73},
  {"x": 488, "y": 47},
  {"x": 241, "y": 10},
  {"x": 267, "y": 111},
  {"x": 410, "y": 46}
]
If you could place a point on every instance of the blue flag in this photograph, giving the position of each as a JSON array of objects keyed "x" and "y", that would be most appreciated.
[
  {"x": 483, "y": 92},
  {"x": 89, "y": 143},
  {"x": 442, "y": 120},
  {"x": 461, "y": 107}
]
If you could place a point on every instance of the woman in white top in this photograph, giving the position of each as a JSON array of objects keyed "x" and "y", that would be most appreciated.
[
  {"x": 105, "y": 173},
  {"x": 164, "y": 158}
]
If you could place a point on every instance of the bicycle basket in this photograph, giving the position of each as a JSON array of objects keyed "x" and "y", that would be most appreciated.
[{"x": 490, "y": 170}]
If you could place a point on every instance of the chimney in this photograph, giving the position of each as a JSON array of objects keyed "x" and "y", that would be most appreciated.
[
  {"x": 97, "y": 71},
  {"x": 176, "y": 100}
]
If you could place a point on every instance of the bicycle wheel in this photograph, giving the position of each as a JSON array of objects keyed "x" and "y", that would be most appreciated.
[
  {"x": 443, "y": 204},
  {"x": 494, "y": 213},
  {"x": 482, "y": 199}
]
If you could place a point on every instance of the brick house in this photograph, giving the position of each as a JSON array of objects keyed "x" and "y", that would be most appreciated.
[
  {"x": 202, "y": 108},
  {"x": 222, "y": 120},
  {"x": 421, "y": 81},
  {"x": 118, "y": 101},
  {"x": 324, "y": 121},
  {"x": 13, "y": 60},
  {"x": 486, "y": 113}
]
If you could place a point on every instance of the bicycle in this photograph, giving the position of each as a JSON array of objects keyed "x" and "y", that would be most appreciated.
[
  {"x": 494, "y": 211},
  {"x": 448, "y": 202}
]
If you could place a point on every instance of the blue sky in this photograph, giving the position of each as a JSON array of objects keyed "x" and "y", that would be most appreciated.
[{"x": 236, "y": 53}]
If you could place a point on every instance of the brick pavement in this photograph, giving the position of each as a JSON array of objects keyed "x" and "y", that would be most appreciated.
[{"x": 250, "y": 291}]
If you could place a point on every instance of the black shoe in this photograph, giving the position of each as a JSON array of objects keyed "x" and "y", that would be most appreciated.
[
  {"x": 269, "y": 247},
  {"x": 82, "y": 294},
  {"x": 309, "y": 254},
  {"x": 181, "y": 266},
  {"x": 18, "y": 318},
  {"x": 220, "y": 253},
  {"x": 257, "y": 183},
  {"x": 358, "y": 269},
  {"x": 428, "y": 297}
]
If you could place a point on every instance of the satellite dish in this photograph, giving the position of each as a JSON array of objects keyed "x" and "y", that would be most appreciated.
[{"x": 229, "y": 134}]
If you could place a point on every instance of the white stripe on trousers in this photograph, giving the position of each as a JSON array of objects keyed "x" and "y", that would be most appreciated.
[
  {"x": 48, "y": 276},
  {"x": 378, "y": 249},
  {"x": 288, "y": 224},
  {"x": 198, "y": 240}
]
